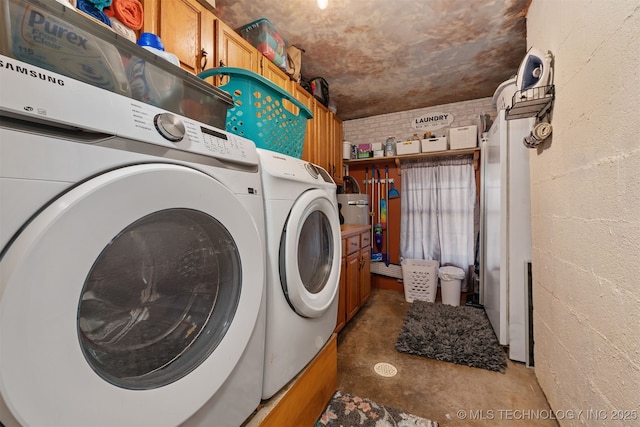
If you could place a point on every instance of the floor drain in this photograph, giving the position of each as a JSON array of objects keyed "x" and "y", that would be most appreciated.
[{"x": 385, "y": 369}]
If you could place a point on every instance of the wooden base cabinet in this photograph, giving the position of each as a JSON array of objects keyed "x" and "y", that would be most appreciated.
[
  {"x": 365, "y": 273},
  {"x": 355, "y": 278}
]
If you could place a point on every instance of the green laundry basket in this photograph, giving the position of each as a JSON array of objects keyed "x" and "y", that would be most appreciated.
[{"x": 259, "y": 112}]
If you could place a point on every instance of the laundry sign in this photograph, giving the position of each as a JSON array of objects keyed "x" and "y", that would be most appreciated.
[{"x": 432, "y": 121}]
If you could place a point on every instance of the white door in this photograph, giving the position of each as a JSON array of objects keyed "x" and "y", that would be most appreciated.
[
  {"x": 310, "y": 254},
  {"x": 128, "y": 300}
]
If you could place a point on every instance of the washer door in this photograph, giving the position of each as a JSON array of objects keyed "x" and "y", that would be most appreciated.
[
  {"x": 310, "y": 254},
  {"x": 128, "y": 300}
]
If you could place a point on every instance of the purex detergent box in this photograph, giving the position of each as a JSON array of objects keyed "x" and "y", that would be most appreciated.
[{"x": 43, "y": 34}]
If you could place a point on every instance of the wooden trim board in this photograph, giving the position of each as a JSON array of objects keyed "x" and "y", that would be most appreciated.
[{"x": 303, "y": 400}]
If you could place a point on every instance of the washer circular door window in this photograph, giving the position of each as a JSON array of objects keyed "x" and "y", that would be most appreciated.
[
  {"x": 162, "y": 284},
  {"x": 130, "y": 297},
  {"x": 310, "y": 254}
]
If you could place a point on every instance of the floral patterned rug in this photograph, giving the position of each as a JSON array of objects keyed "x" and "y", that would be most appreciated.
[{"x": 345, "y": 410}]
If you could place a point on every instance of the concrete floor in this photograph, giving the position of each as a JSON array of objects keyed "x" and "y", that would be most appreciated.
[{"x": 451, "y": 394}]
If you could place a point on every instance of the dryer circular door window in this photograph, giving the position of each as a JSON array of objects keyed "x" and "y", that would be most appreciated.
[
  {"x": 310, "y": 254},
  {"x": 130, "y": 297}
]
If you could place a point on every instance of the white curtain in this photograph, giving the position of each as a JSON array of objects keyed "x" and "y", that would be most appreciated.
[{"x": 437, "y": 214}]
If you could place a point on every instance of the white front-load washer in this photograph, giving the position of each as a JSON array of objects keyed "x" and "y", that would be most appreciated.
[
  {"x": 132, "y": 268},
  {"x": 303, "y": 264}
]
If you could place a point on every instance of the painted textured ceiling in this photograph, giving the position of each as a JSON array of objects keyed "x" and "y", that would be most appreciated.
[{"x": 386, "y": 56}]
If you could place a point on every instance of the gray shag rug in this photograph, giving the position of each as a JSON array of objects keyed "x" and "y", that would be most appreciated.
[
  {"x": 345, "y": 410},
  {"x": 461, "y": 335}
]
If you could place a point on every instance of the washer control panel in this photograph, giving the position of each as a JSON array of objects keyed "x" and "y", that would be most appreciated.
[{"x": 169, "y": 126}]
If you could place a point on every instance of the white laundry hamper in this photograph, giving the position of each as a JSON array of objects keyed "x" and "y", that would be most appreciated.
[{"x": 420, "y": 279}]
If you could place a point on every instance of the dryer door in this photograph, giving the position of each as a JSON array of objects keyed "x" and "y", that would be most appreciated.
[
  {"x": 128, "y": 300},
  {"x": 310, "y": 254}
]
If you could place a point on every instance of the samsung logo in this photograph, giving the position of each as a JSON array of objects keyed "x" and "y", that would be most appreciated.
[{"x": 31, "y": 73}]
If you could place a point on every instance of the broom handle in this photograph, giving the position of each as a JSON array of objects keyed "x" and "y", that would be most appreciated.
[
  {"x": 379, "y": 188},
  {"x": 386, "y": 181},
  {"x": 372, "y": 212}
]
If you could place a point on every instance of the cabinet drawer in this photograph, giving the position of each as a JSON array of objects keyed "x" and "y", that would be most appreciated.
[
  {"x": 365, "y": 239},
  {"x": 353, "y": 244}
]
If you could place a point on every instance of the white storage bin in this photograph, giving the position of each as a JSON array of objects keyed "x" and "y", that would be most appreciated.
[
  {"x": 463, "y": 137},
  {"x": 420, "y": 279},
  {"x": 433, "y": 144},
  {"x": 407, "y": 147}
]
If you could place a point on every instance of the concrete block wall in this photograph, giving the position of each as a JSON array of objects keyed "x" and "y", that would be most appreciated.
[
  {"x": 585, "y": 190},
  {"x": 378, "y": 128}
]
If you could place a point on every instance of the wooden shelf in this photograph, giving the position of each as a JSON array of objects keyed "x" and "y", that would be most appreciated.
[{"x": 397, "y": 159}]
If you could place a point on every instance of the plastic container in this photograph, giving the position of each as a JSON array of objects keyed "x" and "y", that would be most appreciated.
[
  {"x": 153, "y": 44},
  {"x": 264, "y": 37},
  {"x": 433, "y": 144},
  {"x": 153, "y": 85},
  {"x": 463, "y": 137},
  {"x": 346, "y": 150},
  {"x": 389, "y": 146},
  {"x": 260, "y": 112},
  {"x": 420, "y": 279},
  {"x": 407, "y": 147},
  {"x": 450, "y": 281}
]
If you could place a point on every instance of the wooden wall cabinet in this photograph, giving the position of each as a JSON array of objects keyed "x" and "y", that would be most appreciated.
[
  {"x": 324, "y": 147},
  {"x": 308, "y": 100},
  {"x": 335, "y": 156},
  {"x": 355, "y": 278},
  {"x": 202, "y": 41},
  {"x": 234, "y": 51},
  {"x": 274, "y": 74},
  {"x": 186, "y": 29}
]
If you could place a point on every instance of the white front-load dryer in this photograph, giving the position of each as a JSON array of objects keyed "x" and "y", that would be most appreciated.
[
  {"x": 132, "y": 272},
  {"x": 303, "y": 265}
]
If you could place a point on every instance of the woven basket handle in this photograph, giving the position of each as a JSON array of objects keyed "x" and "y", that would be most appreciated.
[{"x": 231, "y": 72}]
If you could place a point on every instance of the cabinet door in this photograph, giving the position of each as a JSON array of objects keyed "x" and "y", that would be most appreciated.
[
  {"x": 234, "y": 51},
  {"x": 307, "y": 99},
  {"x": 319, "y": 152},
  {"x": 186, "y": 30},
  {"x": 342, "y": 294},
  {"x": 336, "y": 149},
  {"x": 365, "y": 274},
  {"x": 273, "y": 73},
  {"x": 352, "y": 284}
]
